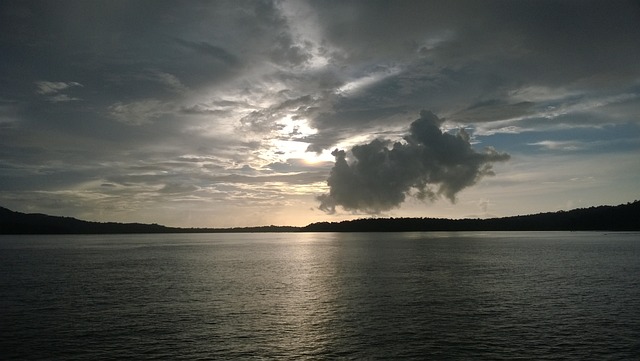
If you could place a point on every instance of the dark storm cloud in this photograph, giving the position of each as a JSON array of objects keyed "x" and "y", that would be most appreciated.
[{"x": 430, "y": 162}]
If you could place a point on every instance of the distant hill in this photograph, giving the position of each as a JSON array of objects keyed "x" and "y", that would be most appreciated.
[
  {"x": 21, "y": 223},
  {"x": 624, "y": 217},
  {"x": 34, "y": 223}
]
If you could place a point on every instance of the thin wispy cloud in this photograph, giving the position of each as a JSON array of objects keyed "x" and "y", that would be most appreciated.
[
  {"x": 559, "y": 145},
  {"x": 55, "y": 92}
]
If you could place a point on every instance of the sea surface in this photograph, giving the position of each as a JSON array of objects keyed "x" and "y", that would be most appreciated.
[{"x": 450, "y": 295}]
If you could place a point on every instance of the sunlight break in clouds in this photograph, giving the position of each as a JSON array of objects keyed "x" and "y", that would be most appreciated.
[{"x": 289, "y": 142}]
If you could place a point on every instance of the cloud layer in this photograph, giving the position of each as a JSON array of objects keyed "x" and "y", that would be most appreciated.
[
  {"x": 141, "y": 110},
  {"x": 429, "y": 163}
]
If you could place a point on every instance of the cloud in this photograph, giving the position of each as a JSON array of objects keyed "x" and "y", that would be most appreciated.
[
  {"x": 8, "y": 113},
  {"x": 370, "y": 79},
  {"x": 213, "y": 51},
  {"x": 576, "y": 112},
  {"x": 428, "y": 164},
  {"x": 169, "y": 81},
  {"x": 50, "y": 87},
  {"x": 559, "y": 145},
  {"x": 53, "y": 91},
  {"x": 293, "y": 165},
  {"x": 138, "y": 112},
  {"x": 291, "y": 178},
  {"x": 491, "y": 111},
  {"x": 268, "y": 119},
  {"x": 287, "y": 52}
]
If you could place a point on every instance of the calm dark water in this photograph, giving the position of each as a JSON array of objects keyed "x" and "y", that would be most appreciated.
[{"x": 474, "y": 296}]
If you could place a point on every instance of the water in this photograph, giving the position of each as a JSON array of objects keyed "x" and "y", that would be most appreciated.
[{"x": 494, "y": 295}]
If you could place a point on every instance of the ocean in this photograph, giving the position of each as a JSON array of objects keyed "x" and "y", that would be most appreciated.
[{"x": 449, "y": 295}]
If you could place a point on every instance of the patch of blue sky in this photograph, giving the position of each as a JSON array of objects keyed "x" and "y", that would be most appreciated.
[{"x": 608, "y": 138}]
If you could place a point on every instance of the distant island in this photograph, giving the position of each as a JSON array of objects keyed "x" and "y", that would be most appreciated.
[{"x": 624, "y": 217}]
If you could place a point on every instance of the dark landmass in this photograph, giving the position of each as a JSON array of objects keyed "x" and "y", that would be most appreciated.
[
  {"x": 624, "y": 217},
  {"x": 34, "y": 223}
]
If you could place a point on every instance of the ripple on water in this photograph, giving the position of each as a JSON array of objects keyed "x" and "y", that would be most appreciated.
[{"x": 328, "y": 296}]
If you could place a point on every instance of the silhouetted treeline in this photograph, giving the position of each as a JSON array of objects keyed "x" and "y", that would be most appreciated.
[
  {"x": 625, "y": 217},
  {"x": 258, "y": 229}
]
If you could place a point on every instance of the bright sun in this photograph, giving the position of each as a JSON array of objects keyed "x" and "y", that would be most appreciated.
[
  {"x": 290, "y": 144},
  {"x": 291, "y": 149}
]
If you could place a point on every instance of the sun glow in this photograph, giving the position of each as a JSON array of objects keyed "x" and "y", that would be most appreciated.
[
  {"x": 291, "y": 141},
  {"x": 291, "y": 149}
]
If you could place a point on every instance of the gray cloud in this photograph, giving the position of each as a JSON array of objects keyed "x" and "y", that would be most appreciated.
[
  {"x": 269, "y": 119},
  {"x": 54, "y": 91},
  {"x": 297, "y": 166},
  {"x": 50, "y": 87},
  {"x": 492, "y": 110},
  {"x": 429, "y": 163},
  {"x": 138, "y": 112},
  {"x": 286, "y": 52},
  {"x": 464, "y": 59},
  {"x": 214, "y": 51},
  {"x": 297, "y": 178}
]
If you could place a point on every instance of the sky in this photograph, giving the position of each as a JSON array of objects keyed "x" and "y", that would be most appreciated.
[{"x": 245, "y": 113}]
